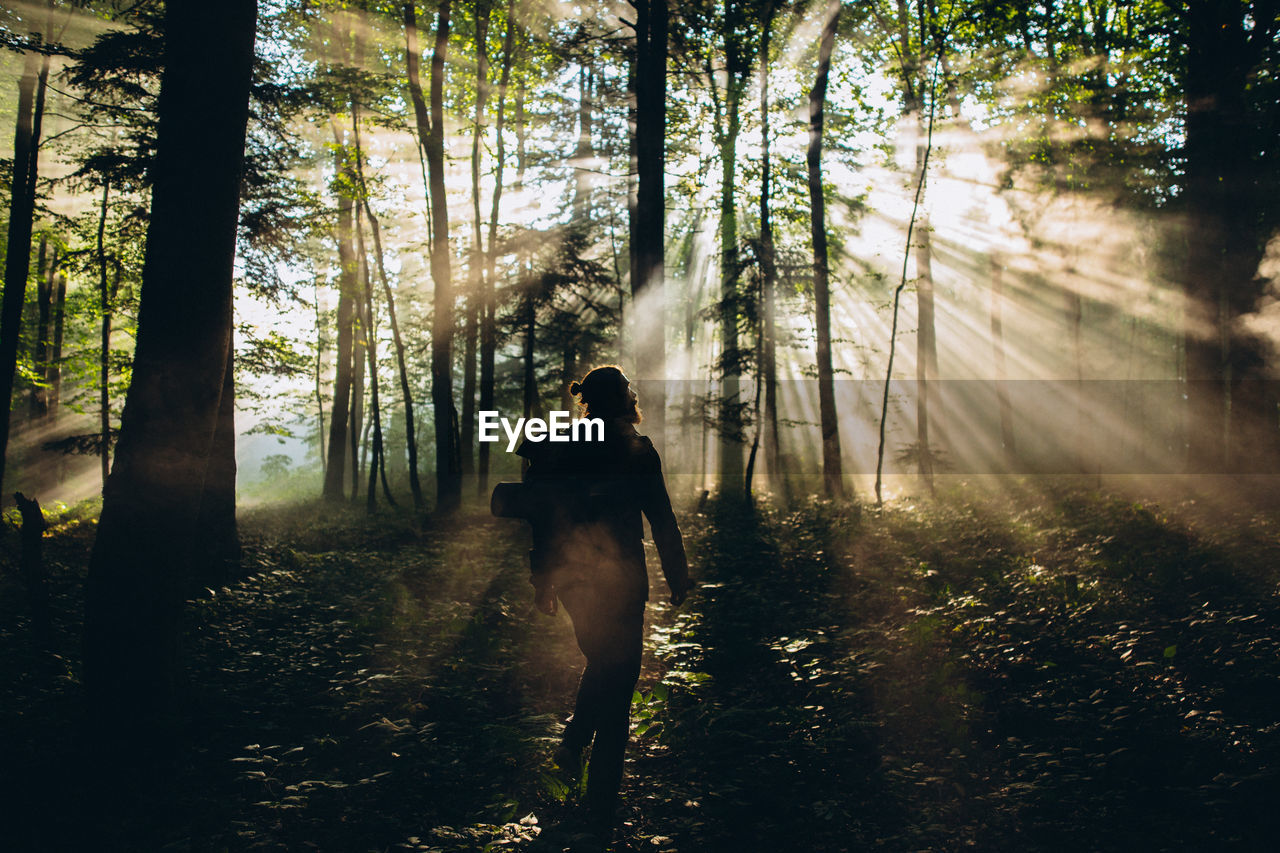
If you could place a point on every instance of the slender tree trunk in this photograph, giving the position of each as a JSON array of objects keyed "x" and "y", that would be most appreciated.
[
  {"x": 55, "y": 358},
  {"x": 45, "y": 267},
  {"x": 583, "y": 153},
  {"x": 997, "y": 347},
  {"x": 324, "y": 459},
  {"x": 522, "y": 135},
  {"x": 151, "y": 506},
  {"x": 18, "y": 258},
  {"x": 1075, "y": 329},
  {"x": 340, "y": 413},
  {"x": 488, "y": 321},
  {"x": 759, "y": 427},
  {"x": 377, "y": 451},
  {"x": 768, "y": 367},
  {"x": 105, "y": 303},
  {"x": 359, "y": 352},
  {"x": 528, "y": 321},
  {"x": 448, "y": 471},
  {"x": 470, "y": 343},
  {"x": 731, "y": 471},
  {"x": 648, "y": 219},
  {"x": 832, "y": 469},
  {"x": 926, "y": 343},
  {"x": 475, "y": 298},
  {"x": 410, "y": 429}
]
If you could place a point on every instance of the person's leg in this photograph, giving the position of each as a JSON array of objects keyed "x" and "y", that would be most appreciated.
[
  {"x": 619, "y": 670},
  {"x": 579, "y": 602}
]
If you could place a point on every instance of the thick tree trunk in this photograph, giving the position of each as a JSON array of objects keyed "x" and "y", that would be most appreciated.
[
  {"x": 488, "y": 320},
  {"x": 1221, "y": 197},
  {"x": 18, "y": 257},
  {"x": 448, "y": 471},
  {"x": 340, "y": 414},
  {"x": 648, "y": 218},
  {"x": 151, "y": 507},
  {"x": 218, "y": 558},
  {"x": 832, "y": 469}
]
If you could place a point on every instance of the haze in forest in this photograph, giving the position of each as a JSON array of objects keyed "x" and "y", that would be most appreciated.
[{"x": 1056, "y": 304}]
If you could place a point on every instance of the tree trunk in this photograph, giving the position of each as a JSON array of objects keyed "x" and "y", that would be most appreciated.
[
  {"x": 17, "y": 265},
  {"x": 359, "y": 352},
  {"x": 832, "y": 470},
  {"x": 768, "y": 367},
  {"x": 731, "y": 471},
  {"x": 488, "y": 324},
  {"x": 410, "y": 429},
  {"x": 45, "y": 267},
  {"x": 340, "y": 414},
  {"x": 528, "y": 320},
  {"x": 648, "y": 218},
  {"x": 219, "y": 554},
  {"x": 151, "y": 506},
  {"x": 324, "y": 459},
  {"x": 55, "y": 358},
  {"x": 926, "y": 343},
  {"x": 105, "y": 302},
  {"x": 997, "y": 348},
  {"x": 368, "y": 324},
  {"x": 448, "y": 472},
  {"x": 475, "y": 298},
  {"x": 1221, "y": 198},
  {"x": 583, "y": 153}
]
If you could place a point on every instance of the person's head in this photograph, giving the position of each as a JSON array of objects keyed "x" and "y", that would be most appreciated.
[{"x": 606, "y": 393}]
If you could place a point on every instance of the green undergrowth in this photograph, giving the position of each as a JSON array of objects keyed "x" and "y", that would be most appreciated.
[{"x": 1040, "y": 669}]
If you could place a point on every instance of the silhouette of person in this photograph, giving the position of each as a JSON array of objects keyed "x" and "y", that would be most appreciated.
[{"x": 588, "y": 556}]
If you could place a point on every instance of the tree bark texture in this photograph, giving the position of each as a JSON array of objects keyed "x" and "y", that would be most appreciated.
[
  {"x": 339, "y": 416},
  {"x": 17, "y": 265},
  {"x": 648, "y": 217},
  {"x": 448, "y": 471},
  {"x": 152, "y": 504},
  {"x": 1222, "y": 199},
  {"x": 488, "y": 319},
  {"x": 768, "y": 261},
  {"x": 832, "y": 469}
]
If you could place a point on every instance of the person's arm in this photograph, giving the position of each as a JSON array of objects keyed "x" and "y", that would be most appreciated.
[{"x": 666, "y": 531}]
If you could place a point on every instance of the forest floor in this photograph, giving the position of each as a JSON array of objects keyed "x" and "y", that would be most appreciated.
[{"x": 1047, "y": 669}]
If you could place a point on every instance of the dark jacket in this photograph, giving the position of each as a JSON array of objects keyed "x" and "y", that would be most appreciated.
[{"x": 589, "y": 498}]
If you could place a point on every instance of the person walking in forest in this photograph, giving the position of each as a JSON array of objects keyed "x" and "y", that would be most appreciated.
[{"x": 588, "y": 556}]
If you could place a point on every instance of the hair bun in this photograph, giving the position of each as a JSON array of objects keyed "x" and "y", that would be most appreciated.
[{"x": 575, "y": 387}]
